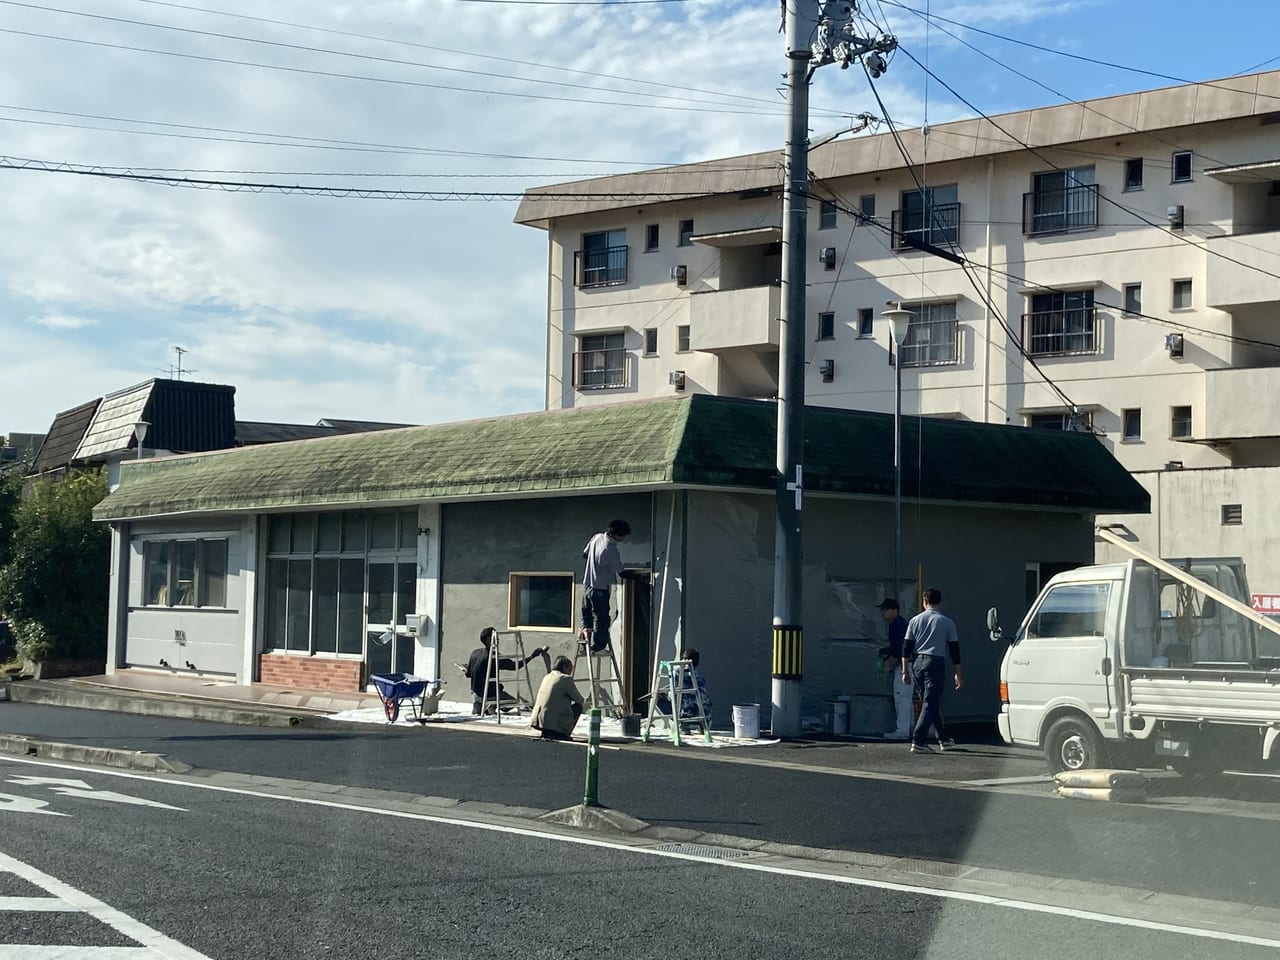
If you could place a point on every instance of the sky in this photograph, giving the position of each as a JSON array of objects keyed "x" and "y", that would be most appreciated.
[{"x": 422, "y": 311}]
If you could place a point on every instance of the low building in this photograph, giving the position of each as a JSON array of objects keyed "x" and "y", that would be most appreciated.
[{"x": 302, "y": 563}]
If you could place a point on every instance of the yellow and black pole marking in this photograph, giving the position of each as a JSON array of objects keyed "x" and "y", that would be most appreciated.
[{"x": 788, "y": 652}]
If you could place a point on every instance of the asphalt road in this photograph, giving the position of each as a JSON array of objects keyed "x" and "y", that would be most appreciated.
[
  {"x": 1216, "y": 856},
  {"x": 234, "y": 876}
]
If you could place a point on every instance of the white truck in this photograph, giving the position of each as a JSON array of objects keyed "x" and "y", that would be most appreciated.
[{"x": 1140, "y": 662}]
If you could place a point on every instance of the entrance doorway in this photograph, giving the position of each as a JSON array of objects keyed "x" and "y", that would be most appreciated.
[{"x": 637, "y": 638}]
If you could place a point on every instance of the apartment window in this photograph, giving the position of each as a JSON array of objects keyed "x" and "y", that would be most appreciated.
[
  {"x": 867, "y": 204},
  {"x": 651, "y": 236},
  {"x": 1133, "y": 174},
  {"x": 826, "y": 326},
  {"x": 185, "y": 573},
  {"x": 1133, "y": 298},
  {"x": 686, "y": 233},
  {"x": 1061, "y": 323},
  {"x": 650, "y": 341},
  {"x": 866, "y": 322},
  {"x": 343, "y": 584},
  {"x": 1182, "y": 166},
  {"x": 1180, "y": 423},
  {"x": 1061, "y": 201},
  {"x": 540, "y": 601},
  {"x": 600, "y": 363},
  {"x": 602, "y": 261},
  {"x": 932, "y": 337},
  {"x": 1232, "y": 514},
  {"x": 827, "y": 215},
  {"x": 1182, "y": 294},
  {"x": 1131, "y": 424},
  {"x": 682, "y": 338},
  {"x": 1061, "y": 420},
  {"x": 930, "y": 216}
]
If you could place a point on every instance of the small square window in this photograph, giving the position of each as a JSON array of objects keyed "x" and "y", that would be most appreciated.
[
  {"x": 1133, "y": 174},
  {"x": 682, "y": 338},
  {"x": 1232, "y": 514},
  {"x": 1132, "y": 424},
  {"x": 651, "y": 238},
  {"x": 826, "y": 326},
  {"x": 1133, "y": 298},
  {"x": 1180, "y": 423},
  {"x": 686, "y": 233},
  {"x": 1182, "y": 294},
  {"x": 1182, "y": 166},
  {"x": 866, "y": 322},
  {"x": 650, "y": 341},
  {"x": 867, "y": 204},
  {"x": 540, "y": 601},
  {"x": 827, "y": 215}
]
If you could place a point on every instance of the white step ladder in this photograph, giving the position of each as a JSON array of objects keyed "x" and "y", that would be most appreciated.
[
  {"x": 518, "y": 699},
  {"x": 675, "y": 678}
]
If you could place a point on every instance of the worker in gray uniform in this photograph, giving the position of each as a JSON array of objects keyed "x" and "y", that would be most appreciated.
[
  {"x": 603, "y": 567},
  {"x": 931, "y": 638}
]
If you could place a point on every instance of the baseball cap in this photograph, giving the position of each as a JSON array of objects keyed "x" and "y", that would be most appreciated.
[{"x": 888, "y": 603}]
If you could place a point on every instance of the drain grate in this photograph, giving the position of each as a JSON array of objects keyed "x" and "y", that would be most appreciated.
[{"x": 702, "y": 850}]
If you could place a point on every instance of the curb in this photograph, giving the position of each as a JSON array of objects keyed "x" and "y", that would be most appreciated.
[
  {"x": 54, "y": 693},
  {"x": 100, "y": 756}
]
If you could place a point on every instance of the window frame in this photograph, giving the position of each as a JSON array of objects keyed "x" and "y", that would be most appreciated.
[
  {"x": 1130, "y": 185},
  {"x": 867, "y": 205},
  {"x": 828, "y": 215},
  {"x": 925, "y": 223},
  {"x": 652, "y": 237},
  {"x": 1176, "y": 422},
  {"x": 1073, "y": 217},
  {"x": 200, "y": 575},
  {"x": 1127, "y": 436},
  {"x": 826, "y": 325},
  {"x": 683, "y": 338},
  {"x": 1128, "y": 310},
  {"x": 599, "y": 377},
  {"x": 514, "y": 576},
  {"x": 685, "y": 234},
  {"x": 1099, "y": 587},
  {"x": 1059, "y": 342},
  {"x": 914, "y": 340},
  {"x": 866, "y": 323},
  {"x": 650, "y": 334},
  {"x": 1189, "y": 156},
  {"x": 1173, "y": 294},
  {"x": 616, "y": 268}
]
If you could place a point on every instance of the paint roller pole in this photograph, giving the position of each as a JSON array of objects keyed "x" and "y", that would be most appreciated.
[{"x": 591, "y": 796}]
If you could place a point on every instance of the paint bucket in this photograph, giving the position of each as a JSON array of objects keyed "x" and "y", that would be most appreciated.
[
  {"x": 835, "y": 717},
  {"x": 630, "y": 724},
  {"x": 746, "y": 721}
]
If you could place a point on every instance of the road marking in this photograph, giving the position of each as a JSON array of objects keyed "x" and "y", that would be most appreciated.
[
  {"x": 154, "y": 945},
  {"x": 34, "y": 904},
  {"x": 78, "y": 788},
  {"x": 12, "y": 803},
  {"x": 637, "y": 846}
]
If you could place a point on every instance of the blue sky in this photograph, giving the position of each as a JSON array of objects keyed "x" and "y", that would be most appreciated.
[{"x": 419, "y": 311}]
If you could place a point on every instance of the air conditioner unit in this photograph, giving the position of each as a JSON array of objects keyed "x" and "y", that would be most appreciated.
[
  {"x": 680, "y": 274},
  {"x": 676, "y": 379},
  {"x": 1173, "y": 342},
  {"x": 828, "y": 256},
  {"x": 1176, "y": 215},
  {"x": 827, "y": 368}
]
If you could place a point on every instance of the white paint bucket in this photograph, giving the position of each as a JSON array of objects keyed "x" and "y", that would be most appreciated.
[
  {"x": 835, "y": 717},
  {"x": 746, "y": 721}
]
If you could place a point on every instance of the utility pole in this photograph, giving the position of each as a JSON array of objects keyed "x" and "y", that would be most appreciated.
[{"x": 818, "y": 32}]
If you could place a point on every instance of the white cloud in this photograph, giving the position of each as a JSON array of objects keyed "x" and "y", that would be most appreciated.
[{"x": 63, "y": 321}]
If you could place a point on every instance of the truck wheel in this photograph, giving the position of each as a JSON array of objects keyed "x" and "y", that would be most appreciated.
[{"x": 1074, "y": 744}]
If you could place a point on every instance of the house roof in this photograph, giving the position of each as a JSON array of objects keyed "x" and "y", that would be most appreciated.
[
  {"x": 181, "y": 416},
  {"x": 691, "y": 441},
  {"x": 250, "y": 432},
  {"x": 64, "y": 436},
  {"x": 1107, "y": 117}
]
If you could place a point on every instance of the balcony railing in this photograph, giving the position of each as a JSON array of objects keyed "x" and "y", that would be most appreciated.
[
  {"x": 601, "y": 369},
  {"x": 600, "y": 268},
  {"x": 1060, "y": 333},
  {"x": 937, "y": 225},
  {"x": 1060, "y": 211}
]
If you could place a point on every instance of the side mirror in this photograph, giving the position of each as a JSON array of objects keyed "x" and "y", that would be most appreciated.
[{"x": 993, "y": 625}]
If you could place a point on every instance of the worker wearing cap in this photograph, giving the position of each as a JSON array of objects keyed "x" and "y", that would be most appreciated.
[{"x": 903, "y": 689}]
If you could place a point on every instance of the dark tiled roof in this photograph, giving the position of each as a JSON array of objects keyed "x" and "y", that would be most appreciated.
[
  {"x": 184, "y": 417},
  {"x": 251, "y": 432},
  {"x": 360, "y": 426},
  {"x": 64, "y": 436},
  {"x": 696, "y": 441}
]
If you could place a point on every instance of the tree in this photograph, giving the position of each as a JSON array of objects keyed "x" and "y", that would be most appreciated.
[
  {"x": 10, "y": 496},
  {"x": 56, "y": 583}
]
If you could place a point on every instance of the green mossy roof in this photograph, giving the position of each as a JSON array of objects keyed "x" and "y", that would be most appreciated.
[{"x": 689, "y": 441}]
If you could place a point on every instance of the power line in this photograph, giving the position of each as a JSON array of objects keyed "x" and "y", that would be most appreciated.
[
  {"x": 327, "y": 143},
  {"x": 331, "y": 52},
  {"x": 385, "y": 80},
  {"x": 1098, "y": 193},
  {"x": 461, "y": 53}
]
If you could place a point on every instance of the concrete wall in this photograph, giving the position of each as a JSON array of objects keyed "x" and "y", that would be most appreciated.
[
  {"x": 212, "y": 639},
  {"x": 976, "y": 556}
]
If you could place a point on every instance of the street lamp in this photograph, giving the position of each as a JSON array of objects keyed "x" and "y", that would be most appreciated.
[
  {"x": 140, "y": 434},
  {"x": 899, "y": 323}
]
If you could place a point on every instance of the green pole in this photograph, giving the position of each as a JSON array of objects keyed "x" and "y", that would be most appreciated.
[{"x": 591, "y": 798}]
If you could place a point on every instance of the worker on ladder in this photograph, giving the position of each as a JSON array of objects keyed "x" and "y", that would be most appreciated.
[{"x": 603, "y": 567}]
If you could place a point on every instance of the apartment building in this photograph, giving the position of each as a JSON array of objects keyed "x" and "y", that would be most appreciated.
[{"x": 1121, "y": 274}]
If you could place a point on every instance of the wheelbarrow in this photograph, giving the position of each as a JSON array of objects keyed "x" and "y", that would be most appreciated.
[{"x": 394, "y": 689}]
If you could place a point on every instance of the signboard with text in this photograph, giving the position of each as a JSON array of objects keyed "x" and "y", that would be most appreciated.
[{"x": 1267, "y": 604}]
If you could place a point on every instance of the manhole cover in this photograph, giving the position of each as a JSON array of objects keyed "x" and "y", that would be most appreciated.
[{"x": 702, "y": 850}]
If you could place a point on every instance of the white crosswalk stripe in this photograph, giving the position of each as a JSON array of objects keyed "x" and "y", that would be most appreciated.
[{"x": 150, "y": 944}]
